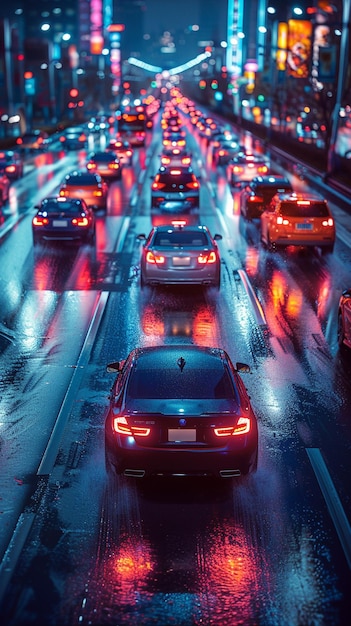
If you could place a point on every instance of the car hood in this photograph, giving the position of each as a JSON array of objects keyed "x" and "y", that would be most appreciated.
[{"x": 181, "y": 407}]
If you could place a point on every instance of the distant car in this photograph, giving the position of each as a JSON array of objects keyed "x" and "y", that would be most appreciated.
[
  {"x": 255, "y": 197},
  {"x": 107, "y": 164},
  {"x": 172, "y": 138},
  {"x": 223, "y": 151},
  {"x": 74, "y": 138},
  {"x": 298, "y": 219},
  {"x": 4, "y": 188},
  {"x": 344, "y": 320},
  {"x": 175, "y": 156},
  {"x": 63, "y": 219},
  {"x": 180, "y": 255},
  {"x": 87, "y": 186},
  {"x": 123, "y": 149},
  {"x": 180, "y": 410},
  {"x": 174, "y": 189},
  {"x": 245, "y": 166},
  {"x": 11, "y": 163},
  {"x": 33, "y": 141}
]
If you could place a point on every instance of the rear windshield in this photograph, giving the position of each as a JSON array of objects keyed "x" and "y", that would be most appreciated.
[
  {"x": 82, "y": 180},
  {"x": 66, "y": 207},
  {"x": 181, "y": 239},
  {"x": 172, "y": 383},
  {"x": 315, "y": 209}
]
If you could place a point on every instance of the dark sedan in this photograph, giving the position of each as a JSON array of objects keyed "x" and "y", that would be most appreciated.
[
  {"x": 107, "y": 164},
  {"x": 255, "y": 197},
  {"x": 180, "y": 410},
  {"x": 63, "y": 219}
]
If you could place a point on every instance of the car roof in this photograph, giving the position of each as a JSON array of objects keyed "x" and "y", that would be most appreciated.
[
  {"x": 166, "y": 228},
  {"x": 82, "y": 174},
  {"x": 270, "y": 180},
  {"x": 167, "y": 356},
  {"x": 298, "y": 197},
  {"x": 62, "y": 200}
]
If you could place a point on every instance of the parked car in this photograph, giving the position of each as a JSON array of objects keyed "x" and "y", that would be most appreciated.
[
  {"x": 180, "y": 410},
  {"x": 63, "y": 219},
  {"x": 87, "y": 186},
  {"x": 255, "y": 197},
  {"x": 175, "y": 254},
  {"x": 11, "y": 163},
  {"x": 298, "y": 219},
  {"x": 344, "y": 320},
  {"x": 175, "y": 188},
  {"x": 107, "y": 164},
  {"x": 4, "y": 188}
]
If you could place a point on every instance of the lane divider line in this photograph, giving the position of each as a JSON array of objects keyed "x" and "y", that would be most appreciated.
[{"x": 335, "y": 508}]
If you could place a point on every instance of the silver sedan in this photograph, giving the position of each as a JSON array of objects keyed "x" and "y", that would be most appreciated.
[{"x": 178, "y": 254}]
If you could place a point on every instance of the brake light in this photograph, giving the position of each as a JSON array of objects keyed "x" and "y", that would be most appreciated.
[
  {"x": 175, "y": 172},
  {"x": 114, "y": 166},
  {"x": 10, "y": 169},
  {"x": 165, "y": 160},
  {"x": 242, "y": 427},
  {"x": 91, "y": 166},
  {"x": 38, "y": 220},
  {"x": 157, "y": 185},
  {"x": 255, "y": 199},
  {"x": 120, "y": 425},
  {"x": 186, "y": 160},
  {"x": 154, "y": 258},
  {"x": 237, "y": 169},
  {"x": 207, "y": 258},
  {"x": 19, "y": 140},
  {"x": 193, "y": 185},
  {"x": 80, "y": 221},
  {"x": 328, "y": 222},
  {"x": 98, "y": 193},
  {"x": 63, "y": 193},
  {"x": 303, "y": 202},
  {"x": 262, "y": 169}
]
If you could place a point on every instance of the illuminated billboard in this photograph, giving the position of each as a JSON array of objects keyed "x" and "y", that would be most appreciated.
[{"x": 299, "y": 48}]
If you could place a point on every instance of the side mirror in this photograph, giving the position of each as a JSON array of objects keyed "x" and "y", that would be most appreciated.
[
  {"x": 141, "y": 237},
  {"x": 217, "y": 237},
  {"x": 242, "y": 367},
  {"x": 115, "y": 366}
]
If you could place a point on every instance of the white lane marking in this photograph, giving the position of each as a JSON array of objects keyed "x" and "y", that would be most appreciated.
[{"x": 332, "y": 500}]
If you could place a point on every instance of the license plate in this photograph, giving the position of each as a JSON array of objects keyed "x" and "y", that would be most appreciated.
[
  {"x": 181, "y": 261},
  {"x": 60, "y": 223},
  {"x": 304, "y": 226},
  {"x": 181, "y": 434}
]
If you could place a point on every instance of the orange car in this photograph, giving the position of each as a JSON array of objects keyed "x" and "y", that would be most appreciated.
[
  {"x": 86, "y": 185},
  {"x": 293, "y": 219}
]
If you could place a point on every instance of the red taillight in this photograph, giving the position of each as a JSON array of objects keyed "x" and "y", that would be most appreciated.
[
  {"x": 204, "y": 259},
  {"x": 156, "y": 186},
  {"x": 38, "y": 220},
  {"x": 262, "y": 169},
  {"x": 62, "y": 192},
  {"x": 282, "y": 220},
  {"x": 255, "y": 199},
  {"x": 328, "y": 222},
  {"x": 10, "y": 169},
  {"x": 114, "y": 166},
  {"x": 165, "y": 160},
  {"x": 242, "y": 427},
  {"x": 120, "y": 426},
  {"x": 154, "y": 258},
  {"x": 19, "y": 140},
  {"x": 237, "y": 169},
  {"x": 97, "y": 193},
  {"x": 91, "y": 166},
  {"x": 80, "y": 221},
  {"x": 186, "y": 160},
  {"x": 193, "y": 185}
]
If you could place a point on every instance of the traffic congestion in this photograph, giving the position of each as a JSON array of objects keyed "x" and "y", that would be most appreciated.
[{"x": 175, "y": 340}]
